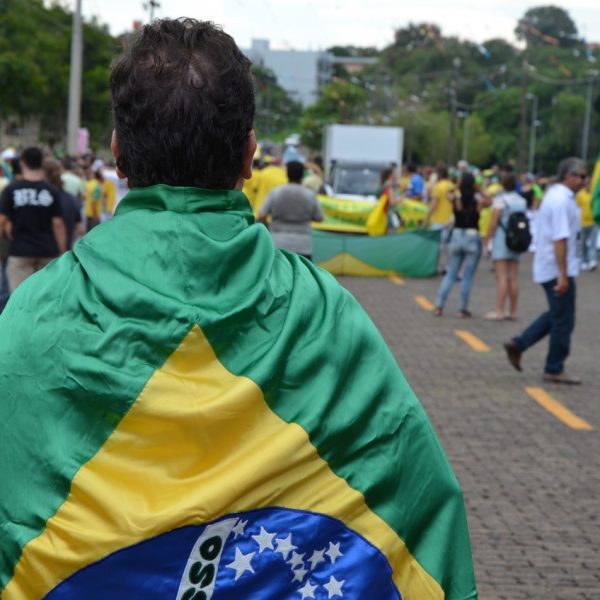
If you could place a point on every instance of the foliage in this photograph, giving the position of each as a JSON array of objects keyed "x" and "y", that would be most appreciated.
[
  {"x": 340, "y": 102},
  {"x": 541, "y": 24},
  {"x": 276, "y": 111},
  {"x": 35, "y": 47},
  {"x": 421, "y": 82}
]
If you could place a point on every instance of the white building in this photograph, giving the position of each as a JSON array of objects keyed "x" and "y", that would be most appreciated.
[{"x": 300, "y": 72}]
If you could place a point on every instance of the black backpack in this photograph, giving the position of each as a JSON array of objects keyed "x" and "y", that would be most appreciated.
[{"x": 518, "y": 236}]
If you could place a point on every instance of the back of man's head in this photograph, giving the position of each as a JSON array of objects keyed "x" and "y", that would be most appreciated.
[
  {"x": 32, "y": 158},
  {"x": 183, "y": 103},
  {"x": 295, "y": 171}
]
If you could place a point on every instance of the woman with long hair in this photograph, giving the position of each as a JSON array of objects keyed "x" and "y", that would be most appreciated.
[
  {"x": 464, "y": 247},
  {"x": 506, "y": 262}
]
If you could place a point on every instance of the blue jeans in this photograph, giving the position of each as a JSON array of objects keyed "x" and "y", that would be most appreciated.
[
  {"x": 464, "y": 248},
  {"x": 558, "y": 322},
  {"x": 588, "y": 249}
]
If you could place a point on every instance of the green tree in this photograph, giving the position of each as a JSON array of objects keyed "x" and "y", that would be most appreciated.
[
  {"x": 35, "y": 44},
  {"x": 340, "y": 102},
  {"x": 276, "y": 111},
  {"x": 541, "y": 24},
  {"x": 476, "y": 141}
]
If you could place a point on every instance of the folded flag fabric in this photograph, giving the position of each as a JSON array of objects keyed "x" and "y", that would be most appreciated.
[{"x": 188, "y": 413}]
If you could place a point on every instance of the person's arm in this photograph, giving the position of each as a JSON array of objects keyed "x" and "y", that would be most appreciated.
[
  {"x": 3, "y": 225},
  {"x": 560, "y": 253},
  {"x": 432, "y": 208},
  {"x": 317, "y": 214},
  {"x": 60, "y": 234},
  {"x": 265, "y": 209},
  {"x": 496, "y": 215}
]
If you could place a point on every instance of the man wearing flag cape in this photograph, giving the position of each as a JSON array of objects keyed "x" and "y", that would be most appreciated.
[{"x": 187, "y": 412}]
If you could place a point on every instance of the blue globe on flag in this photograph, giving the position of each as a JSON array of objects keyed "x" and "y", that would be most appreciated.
[{"x": 273, "y": 553}]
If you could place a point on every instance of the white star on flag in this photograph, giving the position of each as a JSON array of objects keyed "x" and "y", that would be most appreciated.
[
  {"x": 285, "y": 546},
  {"x": 334, "y": 552},
  {"x": 264, "y": 540},
  {"x": 241, "y": 563},
  {"x": 238, "y": 528},
  {"x": 334, "y": 587},
  {"x": 299, "y": 574},
  {"x": 308, "y": 591},
  {"x": 296, "y": 560},
  {"x": 318, "y": 556}
]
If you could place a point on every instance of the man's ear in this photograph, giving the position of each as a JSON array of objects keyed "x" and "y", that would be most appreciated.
[
  {"x": 246, "y": 171},
  {"x": 114, "y": 148}
]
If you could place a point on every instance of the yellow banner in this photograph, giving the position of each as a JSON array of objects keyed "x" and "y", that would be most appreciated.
[{"x": 354, "y": 216}]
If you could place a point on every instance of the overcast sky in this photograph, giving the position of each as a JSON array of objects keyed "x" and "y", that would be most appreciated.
[{"x": 318, "y": 24}]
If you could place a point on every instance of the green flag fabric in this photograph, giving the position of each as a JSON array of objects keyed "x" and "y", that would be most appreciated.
[{"x": 187, "y": 412}]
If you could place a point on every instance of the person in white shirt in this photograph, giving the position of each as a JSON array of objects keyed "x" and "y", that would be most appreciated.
[{"x": 555, "y": 267}]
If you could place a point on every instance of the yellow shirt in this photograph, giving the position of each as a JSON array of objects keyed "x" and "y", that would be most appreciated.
[
  {"x": 443, "y": 212},
  {"x": 99, "y": 198},
  {"x": 251, "y": 186},
  {"x": 584, "y": 201},
  {"x": 270, "y": 177}
]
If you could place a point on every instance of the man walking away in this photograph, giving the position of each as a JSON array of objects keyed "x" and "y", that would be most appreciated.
[
  {"x": 188, "y": 412},
  {"x": 31, "y": 215},
  {"x": 292, "y": 208},
  {"x": 555, "y": 267}
]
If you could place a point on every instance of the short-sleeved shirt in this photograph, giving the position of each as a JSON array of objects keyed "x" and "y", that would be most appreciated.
[
  {"x": 443, "y": 212},
  {"x": 584, "y": 201},
  {"x": 416, "y": 186},
  {"x": 30, "y": 206},
  {"x": 557, "y": 219},
  {"x": 292, "y": 207},
  {"x": 506, "y": 203}
]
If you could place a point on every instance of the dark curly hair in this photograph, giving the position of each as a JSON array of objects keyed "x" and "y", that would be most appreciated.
[{"x": 183, "y": 105}]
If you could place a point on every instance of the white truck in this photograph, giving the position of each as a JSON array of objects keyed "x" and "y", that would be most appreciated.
[{"x": 355, "y": 155}]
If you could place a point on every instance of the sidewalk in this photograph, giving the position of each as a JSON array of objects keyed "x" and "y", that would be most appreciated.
[{"x": 531, "y": 482}]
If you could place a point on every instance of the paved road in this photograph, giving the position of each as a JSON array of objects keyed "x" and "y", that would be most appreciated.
[{"x": 531, "y": 482}]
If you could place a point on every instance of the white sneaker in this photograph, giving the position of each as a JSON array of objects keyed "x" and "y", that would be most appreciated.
[{"x": 585, "y": 267}]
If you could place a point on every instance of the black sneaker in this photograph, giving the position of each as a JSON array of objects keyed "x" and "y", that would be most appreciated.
[{"x": 513, "y": 354}]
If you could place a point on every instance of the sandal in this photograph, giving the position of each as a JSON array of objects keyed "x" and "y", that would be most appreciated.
[
  {"x": 464, "y": 314},
  {"x": 493, "y": 316},
  {"x": 437, "y": 312}
]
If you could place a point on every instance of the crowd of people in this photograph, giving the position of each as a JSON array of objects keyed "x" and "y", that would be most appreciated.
[{"x": 46, "y": 205}]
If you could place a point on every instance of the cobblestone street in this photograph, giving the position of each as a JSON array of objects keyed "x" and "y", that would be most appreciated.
[{"x": 531, "y": 481}]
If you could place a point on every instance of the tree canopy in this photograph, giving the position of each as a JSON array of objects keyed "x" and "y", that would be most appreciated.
[{"x": 428, "y": 83}]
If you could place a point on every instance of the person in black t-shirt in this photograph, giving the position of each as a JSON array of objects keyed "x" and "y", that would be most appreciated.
[
  {"x": 31, "y": 215},
  {"x": 464, "y": 246},
  {"x": 71, "y": 207}
]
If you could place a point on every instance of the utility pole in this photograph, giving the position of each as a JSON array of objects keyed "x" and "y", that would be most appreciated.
[
  {"x": 453, "y": 112},
  {"x": 465, "y": 144},
  {"x": 523, "y": 121},
  {"x": 532, "y": 132},
  {"x": 74, "y": 111},
  {"x": 150, "y": 6},
  {"x": 588, "y": 111}
]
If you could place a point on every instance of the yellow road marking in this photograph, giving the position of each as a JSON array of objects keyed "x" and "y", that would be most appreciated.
[
  {"x": 397, "y": 280},
  {"x": 424, "y": 303},
  {"x": 557, "y": 409},
  {"x": 472, "y": 341}
]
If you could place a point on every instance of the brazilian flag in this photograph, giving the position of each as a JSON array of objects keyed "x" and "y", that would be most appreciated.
[
  {"x": 595, "y": 188},
  {"x": 188, "y": 413}
]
